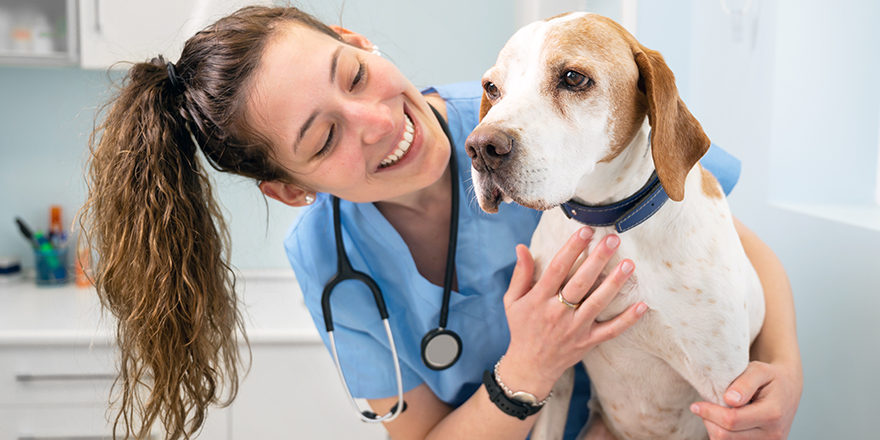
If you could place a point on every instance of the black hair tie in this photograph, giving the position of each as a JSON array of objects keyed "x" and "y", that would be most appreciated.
[{"x": 175, "y": 79}]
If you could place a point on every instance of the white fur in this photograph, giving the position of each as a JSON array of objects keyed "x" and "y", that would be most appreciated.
[{"x": 705, "y": 300}]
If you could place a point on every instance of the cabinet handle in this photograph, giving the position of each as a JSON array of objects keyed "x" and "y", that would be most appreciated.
[
  {"x": 98, "y": 17},
  {"x": 48, "y": 377},
  {"x": 71, "y": 437},
  {"x": 68, "y": 437}
]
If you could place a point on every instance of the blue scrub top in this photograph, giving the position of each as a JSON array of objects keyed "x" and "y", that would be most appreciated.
[{"x": 484, "y": 264}]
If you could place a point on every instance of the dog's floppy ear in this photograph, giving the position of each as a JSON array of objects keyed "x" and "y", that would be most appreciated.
[
  {"x": 677, "y": 139},
  {"x": 485, "y": 105}
]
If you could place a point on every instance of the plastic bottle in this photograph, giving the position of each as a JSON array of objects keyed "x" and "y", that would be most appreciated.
[{"x": 56, "y": 227}]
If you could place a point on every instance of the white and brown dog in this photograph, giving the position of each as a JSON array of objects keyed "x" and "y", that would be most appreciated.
[{"x": 575, "y": 109}]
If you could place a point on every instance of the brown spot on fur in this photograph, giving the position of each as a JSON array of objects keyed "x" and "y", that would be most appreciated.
[
  {"x": 712, "y": 301},
  {"x": 684, "y": 324},
  {"x": 699, "y": 291},
  {"x": 668, "y": 264},
  {"x": 485, "y": 105},
  {"x": 711, "y": 188},
  {"x": 602, "y": 50}
]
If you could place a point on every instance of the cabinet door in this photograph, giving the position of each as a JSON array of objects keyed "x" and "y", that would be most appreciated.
[
  {"x": 131, "y": 30},
  {"x": 293, "y": 392}
]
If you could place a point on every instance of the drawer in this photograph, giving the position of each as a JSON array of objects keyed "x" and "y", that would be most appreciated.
[
  {"x": 87, "y": 422},
  {"x": 72, "y": 423},
  {"x": 56, "y": 375}
]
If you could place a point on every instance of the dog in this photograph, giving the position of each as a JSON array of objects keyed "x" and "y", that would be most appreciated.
[{"x": 577, "y": 112}]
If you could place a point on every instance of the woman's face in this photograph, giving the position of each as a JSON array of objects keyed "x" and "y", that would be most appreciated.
[{"x": 338, "y": 115}]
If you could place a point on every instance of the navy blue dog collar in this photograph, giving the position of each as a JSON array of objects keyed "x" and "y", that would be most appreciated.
[{"x": 624, "y": 215}]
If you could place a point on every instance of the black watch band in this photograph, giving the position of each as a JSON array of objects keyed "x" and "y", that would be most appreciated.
[{"x": 512, "y": 407}]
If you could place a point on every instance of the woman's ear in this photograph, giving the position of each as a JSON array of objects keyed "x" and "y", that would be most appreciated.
[
  {"x": 286, "y": 193},
  {"x": 352, "y": 37}
]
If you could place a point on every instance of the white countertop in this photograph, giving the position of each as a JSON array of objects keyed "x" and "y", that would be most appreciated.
[{"x": 272, "y": 307}]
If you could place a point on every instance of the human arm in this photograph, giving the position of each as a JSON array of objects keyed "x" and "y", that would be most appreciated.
[
  {"x": 546, "y": 338},
  {"x": 771, "y": 386}
]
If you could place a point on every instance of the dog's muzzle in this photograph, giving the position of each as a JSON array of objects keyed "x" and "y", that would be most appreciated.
[{"x": 489, "y": 148}]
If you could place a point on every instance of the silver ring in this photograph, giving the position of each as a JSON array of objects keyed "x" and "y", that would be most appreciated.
[{"x": 566, "y": 303}]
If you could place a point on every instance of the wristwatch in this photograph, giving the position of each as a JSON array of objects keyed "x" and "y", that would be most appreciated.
[{"x": 519, "y": 404}]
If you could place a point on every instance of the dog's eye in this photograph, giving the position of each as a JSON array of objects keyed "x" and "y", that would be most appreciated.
[
  {"x": 574, "y": 79},
  {"x": 491, "y": 90}
]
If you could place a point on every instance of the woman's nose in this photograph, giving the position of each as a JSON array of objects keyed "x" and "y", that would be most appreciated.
[{"x": 375, "y": 119}]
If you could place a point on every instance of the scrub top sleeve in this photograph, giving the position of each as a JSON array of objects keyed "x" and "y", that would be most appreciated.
[{"x": 724, "y": 166}]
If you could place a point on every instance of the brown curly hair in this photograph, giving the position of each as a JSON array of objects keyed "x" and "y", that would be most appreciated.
[{"x": 161, "y": 266}]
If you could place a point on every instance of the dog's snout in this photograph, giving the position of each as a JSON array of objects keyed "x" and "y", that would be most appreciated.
[{"x": 489, "y": 148}]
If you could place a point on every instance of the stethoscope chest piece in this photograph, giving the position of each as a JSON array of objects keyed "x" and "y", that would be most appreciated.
[{"x": 441, "y": 348}]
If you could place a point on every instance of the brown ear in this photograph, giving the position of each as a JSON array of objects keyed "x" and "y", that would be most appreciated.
[
  {"x": 677, "y": 139},
  {"x": 485, "y": 105}
]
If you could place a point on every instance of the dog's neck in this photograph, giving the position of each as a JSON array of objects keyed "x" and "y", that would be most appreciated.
[{"x": 622, "y": 176}]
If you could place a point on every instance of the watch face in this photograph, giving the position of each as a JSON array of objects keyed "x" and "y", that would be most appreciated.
[{"x": 524, "y": 397}]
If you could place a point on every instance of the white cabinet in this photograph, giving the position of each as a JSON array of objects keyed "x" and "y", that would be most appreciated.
[
  {"x": 58, "y": 362},
  {"x": 114, "y": 31},
  {"x": 274, "y": 401},
  {"x": 38, "y": 32}
]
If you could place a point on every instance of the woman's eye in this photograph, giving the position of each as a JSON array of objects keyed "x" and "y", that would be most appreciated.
[
  {"x": 491, "y": 90},
  {"x": 326, "y": 148},
  {"x": 358, "y": 78},
  {"x": 575, "y": 80}
]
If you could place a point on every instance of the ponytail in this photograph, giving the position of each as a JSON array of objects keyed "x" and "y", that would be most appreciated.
[
  {"x": 162, "y": 270},
  {"x": 152, "y": 221}
]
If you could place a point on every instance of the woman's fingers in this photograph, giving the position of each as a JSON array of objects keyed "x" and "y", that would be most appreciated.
[
  {"x": 612, "y": 328},
  {"x": 743, "y": 389},
  {"x": 561, "y": 264},
  {"x": 523, "y": 272},
  {"x": 585, "y": 276},
  {"x": 602, "y": 296}
]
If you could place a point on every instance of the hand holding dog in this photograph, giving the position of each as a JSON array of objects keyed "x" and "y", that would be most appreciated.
[
  {"x": 547, "y": 337},
  {"x": 763, "y": 403}
]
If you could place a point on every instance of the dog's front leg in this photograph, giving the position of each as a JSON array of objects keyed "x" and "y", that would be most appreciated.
[{"x": 551, "y": 419}]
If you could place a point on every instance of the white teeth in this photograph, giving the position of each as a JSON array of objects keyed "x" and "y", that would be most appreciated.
[{"x": 403, "y": 145}]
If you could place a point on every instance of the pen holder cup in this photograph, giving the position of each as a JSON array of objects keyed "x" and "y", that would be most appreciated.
[{"x": 51, "y": 267}]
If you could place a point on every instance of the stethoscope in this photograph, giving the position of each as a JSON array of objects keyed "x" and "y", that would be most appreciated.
[{"x": 441, "y": 347}]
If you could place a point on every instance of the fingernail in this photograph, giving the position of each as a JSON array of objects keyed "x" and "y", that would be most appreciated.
[
  {"x": 584, "y": 233},
  {"x": 612, "y": 241},
  {"x": 695, "y": 409},
  {"x": 626, "y": 267},
  {"x": 733, "y": 396},
  {"x": 641, "y": 308}
]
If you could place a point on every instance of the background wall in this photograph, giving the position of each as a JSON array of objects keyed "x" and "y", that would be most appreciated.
[
  {"x": 796, "y": 101},
  {"x": 47, "y": 113},
  {"x": 794, "y": 98}
]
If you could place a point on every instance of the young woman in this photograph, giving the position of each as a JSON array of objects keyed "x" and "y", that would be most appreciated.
[{"x": 311, "y": 113}]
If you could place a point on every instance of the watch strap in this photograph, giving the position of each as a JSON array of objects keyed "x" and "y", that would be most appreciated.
[{"x": 509, "y": 406}]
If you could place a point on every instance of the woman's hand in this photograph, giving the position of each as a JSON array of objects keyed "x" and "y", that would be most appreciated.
[
  {"x": 546, "y": 336},
  {"x": 763, "y": 402}
]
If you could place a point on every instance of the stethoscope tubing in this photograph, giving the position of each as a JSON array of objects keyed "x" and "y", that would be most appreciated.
[
  {"x": 345, "y": 272},
  {"x": 397, "y": 409}
]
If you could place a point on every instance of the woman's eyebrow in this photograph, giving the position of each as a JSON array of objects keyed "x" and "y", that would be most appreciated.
[
  {"x": 302, "y": 131},
  {"x": 333, "y": 63}
]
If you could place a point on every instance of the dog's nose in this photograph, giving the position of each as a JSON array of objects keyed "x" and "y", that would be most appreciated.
[{"x": 489, "y": 148}]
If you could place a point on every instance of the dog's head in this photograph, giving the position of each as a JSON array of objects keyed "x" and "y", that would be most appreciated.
[{"x": 566, "y": 94}]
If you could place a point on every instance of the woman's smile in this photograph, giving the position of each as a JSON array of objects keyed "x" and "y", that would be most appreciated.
[{"x": 407, "y": 142}]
